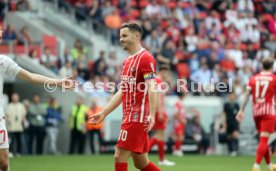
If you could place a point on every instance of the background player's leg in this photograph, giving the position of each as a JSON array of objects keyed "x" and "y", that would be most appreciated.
[
  {"x": 121, "y": 156},
  {"x": 141, "y": 162},
  {"x": 4, "y": 159},
  {"x": 262, "y": 149},
  {"x": 160, "y": 143}
]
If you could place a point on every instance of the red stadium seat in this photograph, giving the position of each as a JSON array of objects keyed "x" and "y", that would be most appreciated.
[
  {"x": 256, "y": 46},
  {"x": 143, "y": 3},
  {"x": 183, "y": 70},
  {"x": 185, "y": 5},
  {"x": 243, "y": 46},
  {"x": 171, "y": 4},
  {"x": 4, "y": 49},
  {"x": 267, "y": 17},
  {"x": 51, "y": 42}
]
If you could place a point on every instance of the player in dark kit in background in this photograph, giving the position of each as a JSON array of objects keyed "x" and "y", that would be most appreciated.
[{"x": 230, "y": 110}]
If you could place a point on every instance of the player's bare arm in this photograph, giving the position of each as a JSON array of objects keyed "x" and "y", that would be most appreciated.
[
  {"x": 152, "y": 95},
  {"x": 243, "y": 105},
  {"x": 113, "y": 104},
  {"x": 40, "y": 79},
  {"x": 159, "y": 106}
]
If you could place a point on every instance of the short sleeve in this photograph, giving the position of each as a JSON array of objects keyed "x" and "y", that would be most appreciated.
[
  {"x": 147, "y": 64},
  {"x": 12, "y": 68},
  {"x": 249, "y": 84}
]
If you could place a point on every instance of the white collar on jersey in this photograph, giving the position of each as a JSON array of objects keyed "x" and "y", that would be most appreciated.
[
  {"x": 130, "y": 56},
  {"x": 266, "y": 72}
]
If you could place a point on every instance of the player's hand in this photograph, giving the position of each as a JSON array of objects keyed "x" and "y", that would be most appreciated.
[
  {"x": 239, "y": 116},
  {"x": 68, "y": 83},
  {"x": 96, "y": 118},
  {"x": 150, "y": 124}
]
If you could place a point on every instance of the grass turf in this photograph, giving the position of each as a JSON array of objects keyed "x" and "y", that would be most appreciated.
[{"x": 105, "y": 163}]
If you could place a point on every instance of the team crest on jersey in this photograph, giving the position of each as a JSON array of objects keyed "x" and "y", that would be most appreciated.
[{"x": 152, "y": 67}]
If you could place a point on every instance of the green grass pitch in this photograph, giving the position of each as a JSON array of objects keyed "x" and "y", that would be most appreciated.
[{"x": 105, "y": 163}]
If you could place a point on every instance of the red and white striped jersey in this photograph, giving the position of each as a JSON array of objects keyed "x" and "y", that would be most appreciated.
[
  {"x": 180, "y": 111},
  {"x": 263, "y": 89},
  {"x": 134, "y": 96}
]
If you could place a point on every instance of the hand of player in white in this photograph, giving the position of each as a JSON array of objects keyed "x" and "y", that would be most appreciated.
[
  {"x": 97, "y": 118},
  {"x": 68, "y": 83},
  {"x": 150, "y": 124},
  {"x": 239, "y": 116}
]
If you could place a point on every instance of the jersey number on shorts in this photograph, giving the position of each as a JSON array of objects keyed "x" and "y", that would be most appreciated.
[
  {"x": 260, "y": 95},
  {"x": 2, "y": 137},
  {"x": 123, "y": 135}
]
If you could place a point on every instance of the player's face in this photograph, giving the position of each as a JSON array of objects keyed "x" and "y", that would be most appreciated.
[{"x": 127, "y": 38}]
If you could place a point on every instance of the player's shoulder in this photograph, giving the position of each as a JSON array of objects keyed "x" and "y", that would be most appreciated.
[
  {"x": 5, "y": 60},
  {"x": 147, "y": 55}
]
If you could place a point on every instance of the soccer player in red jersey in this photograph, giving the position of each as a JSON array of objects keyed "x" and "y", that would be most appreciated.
[
  {"x": 262, "y": 87},
  {"x": 179, "y": 124},
  {"x": 160, "y": 119},
  {"x": 138, "y": 97}
]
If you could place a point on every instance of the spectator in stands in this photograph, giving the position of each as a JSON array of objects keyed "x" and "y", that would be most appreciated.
[
  {"x": 153, "y": 43},
  {"x": 78, "y": 127},
  {"x": 81, "y": 10},
  {"x": 94, "y": 130},
  {"x": 24, "y": 36},
  {"x": 230, "y": 109},
  {"x": 66, "y": 70},
  {"x": 53, "y": 117},
  {"x": 202, "y": 75},
  {"x": 193, "y": 63},
  {"x": 199, "y": 135},
  {"x": 107, "y": 8},
  {"x": 10, "y": 35},
  {"x": 16, "y": 115},
  {"x": 3, "y": 5},
  {"x": 33, "y": 56},
  {"x": 76, "y": 76},
  {"x": 36, "y": 117},
  {"x": 153, "y": 8},
  {"x": 49, "y": 60},
  {"x": 235, "y": 54},
  {"x": 67, "y": 57},
  {"x": 83, "y": 69},
  {"x": 245, "y": 6},
  {"x": 212, "y": 22},
  {"x": 23, "y": 5},
  {"x": 100, "y": 66},
  {"x": 113, "y": 22},
  {"x": 95, "y": 12},
  {"x": 167, "y": 55},
  {"x": 113, "y": 66},
  {"x": 191, "y": 40},
  {"x": 78, "y": 50}
]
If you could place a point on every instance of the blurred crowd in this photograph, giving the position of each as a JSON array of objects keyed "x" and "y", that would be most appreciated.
[
  {"x": 34, "y": 127},
  {"x": 198, "y": 40}
]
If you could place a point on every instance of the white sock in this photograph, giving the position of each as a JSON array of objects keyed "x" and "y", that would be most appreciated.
[
  {"x": 256, "y": 166},
  {"x": 269, "y": 166}
]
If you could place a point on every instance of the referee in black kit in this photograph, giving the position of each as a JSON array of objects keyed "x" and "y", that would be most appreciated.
[{"x": 230, "y": 109}]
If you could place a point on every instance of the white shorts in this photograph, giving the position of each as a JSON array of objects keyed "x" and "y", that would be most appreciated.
[{"x": 4, "y": 140}]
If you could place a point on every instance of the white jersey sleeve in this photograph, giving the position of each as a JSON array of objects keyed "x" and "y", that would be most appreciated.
[{"x": 11, "y": 67}]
